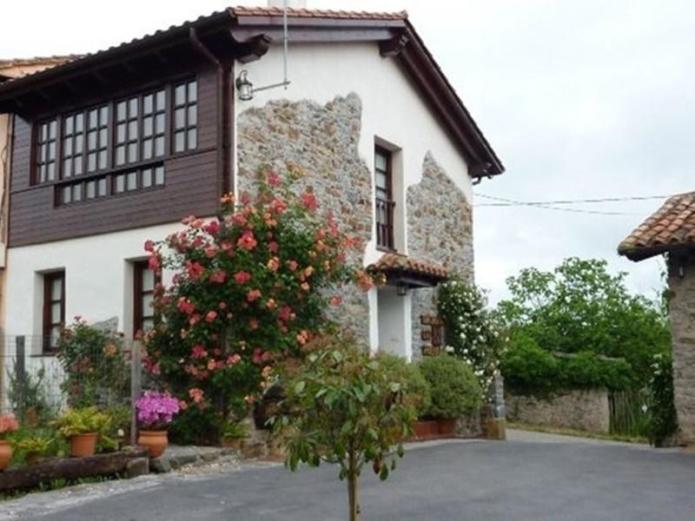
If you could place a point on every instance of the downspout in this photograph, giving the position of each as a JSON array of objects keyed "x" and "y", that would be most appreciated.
[{"x": 223, "y": 113}]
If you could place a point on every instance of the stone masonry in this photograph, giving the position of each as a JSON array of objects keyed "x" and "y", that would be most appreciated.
[
  {"x": 440, "y": 230},
  {"x": 322, "y": 141},
  {"x": 682, "y": 313}
]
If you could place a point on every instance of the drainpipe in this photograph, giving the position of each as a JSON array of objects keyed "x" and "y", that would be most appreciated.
[{"x": 223, "y": 112}]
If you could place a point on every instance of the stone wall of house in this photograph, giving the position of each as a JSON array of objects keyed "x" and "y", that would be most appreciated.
[
  {"x": 582, "y": 410},
  {"x": 682, "y": 313},
  {"x": 322, "y": 141},
  {"x": 440, "y": 229}
]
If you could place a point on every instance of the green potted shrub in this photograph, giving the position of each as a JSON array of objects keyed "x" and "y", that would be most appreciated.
[
  {"x": 82, "y": 427},
  {"x": 234, "y": 435},
  {"x": 454, "y": 389},
  {"x": 34, "y": 447}
]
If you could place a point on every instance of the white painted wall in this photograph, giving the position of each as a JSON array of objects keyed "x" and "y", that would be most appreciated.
[
  {"x": 98, "y": 278},
  {"x": 393, "y": 113}
]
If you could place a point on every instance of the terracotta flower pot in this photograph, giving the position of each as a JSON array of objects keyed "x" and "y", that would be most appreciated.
[
  {"x": 5, "y": 454},
  {"x": 155, "y": 442},
  {"x": 83, "y": 445},
  {"x": 447, "y": 428}
]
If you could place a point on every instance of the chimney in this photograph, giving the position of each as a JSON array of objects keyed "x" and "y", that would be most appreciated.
[{"x": 293, "y": 4}]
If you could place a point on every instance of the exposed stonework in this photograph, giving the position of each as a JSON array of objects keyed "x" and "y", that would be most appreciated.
[
  {"x": 682, "y": 313},
  {"x": 323, "y": 142},
  {"x": 582, "y": 410},
  {"x": 440, "y": 230}
]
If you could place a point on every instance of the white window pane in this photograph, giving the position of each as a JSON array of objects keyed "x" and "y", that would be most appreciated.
[
  {"x": 147, "y": 304},
  {"x": 192, "y": 92},
  {"x": 147, "y": 178},
  {"x": 55, "y": 313},
  {"x": 192, "y": 139},
  {"x": 56, "y": 289},
  {"x": 159, "y": 175},
  {"x": 147, "y": 280},
  {"x": 132, "y": 181},
  {"x": 91, "y": 191}
]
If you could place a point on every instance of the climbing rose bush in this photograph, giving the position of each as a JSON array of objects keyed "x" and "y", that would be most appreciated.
[
  {"x": 472, "y": 332},
  {"x": 250, "y": 288},
  {"x": 155, "y": 409}
]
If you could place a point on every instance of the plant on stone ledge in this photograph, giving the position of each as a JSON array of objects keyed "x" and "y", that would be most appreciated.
[
  {"x": 343, "y": 406},
  {"x": 250, "y": 287},
  {"x": 471, "y": 331}
]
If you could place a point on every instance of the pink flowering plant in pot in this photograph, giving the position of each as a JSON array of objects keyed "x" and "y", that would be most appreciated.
[
  {"x": 250, "y": 288},
  {"x": 155, "y": 411}
]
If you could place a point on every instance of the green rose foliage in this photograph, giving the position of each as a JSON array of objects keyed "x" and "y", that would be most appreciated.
[
  {"x": 250, "y": 287},
  {"x": 343, "y": 406},
  {"x": 663, "y": 421},
  {"x": 455, "y": 390},
  {"x": 472, "y": 331},
  {"x": 96, "y": 366},
  {"x": 581, "y": 308}
]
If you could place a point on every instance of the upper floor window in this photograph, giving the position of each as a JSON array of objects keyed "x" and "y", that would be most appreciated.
[
  {"x": 115, "y": 135},
  {"x": 46, "y": 151},
  {"x": 384, "y": 203},
  {"x": 185, "y": 116}
]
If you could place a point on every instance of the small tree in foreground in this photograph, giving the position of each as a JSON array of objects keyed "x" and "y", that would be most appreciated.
[{"x": 345, "y": 407}]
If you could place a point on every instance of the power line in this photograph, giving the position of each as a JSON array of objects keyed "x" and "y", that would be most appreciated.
[
  {"x": 551, "y": 205},
  {"x": 512, "y": 202}
]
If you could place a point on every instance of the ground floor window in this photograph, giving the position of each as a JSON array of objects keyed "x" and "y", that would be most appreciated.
[
  {"x": 144, "y": 282},
  {"x": 53, "y": 309}
]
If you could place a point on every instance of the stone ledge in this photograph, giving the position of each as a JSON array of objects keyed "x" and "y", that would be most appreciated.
[{"x": 177, "y": 456}]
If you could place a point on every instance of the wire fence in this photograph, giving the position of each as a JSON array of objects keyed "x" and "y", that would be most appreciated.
[{"x": 36, "y": 383}]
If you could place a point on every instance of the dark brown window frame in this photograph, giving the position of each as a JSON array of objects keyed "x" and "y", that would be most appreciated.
[
  {"x": 48, "y": 302},
  {"x": 384, "y": 204},
  {"x": 112, "y": 168},
  {"x": 185, "y": 107},
  {"x": 139, "y": 316},
  {"x": 38, "y": 150}
]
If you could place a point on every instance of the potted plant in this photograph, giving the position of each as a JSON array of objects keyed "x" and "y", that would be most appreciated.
[
  {"x": 8, "y": 424},
  {"x": 34, "y": 447},
  {"x": 155, "y": 411},
  {"x": 234, "y": 435},
  {"x": 82, "y": 427},
  {"x": 455, "y": 391}
]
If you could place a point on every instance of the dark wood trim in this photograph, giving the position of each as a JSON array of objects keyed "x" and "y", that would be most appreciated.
[{"x": 385, "y": 205}]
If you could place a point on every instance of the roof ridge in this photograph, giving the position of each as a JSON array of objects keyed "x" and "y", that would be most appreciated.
[{"x": 298, "y": 12}]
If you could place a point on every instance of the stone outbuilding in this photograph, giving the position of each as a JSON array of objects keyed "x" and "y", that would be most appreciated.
[{"x": 670, "y": 231}]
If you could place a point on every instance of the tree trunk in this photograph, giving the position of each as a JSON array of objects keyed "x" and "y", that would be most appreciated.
[{"x": 352, "y": 489}]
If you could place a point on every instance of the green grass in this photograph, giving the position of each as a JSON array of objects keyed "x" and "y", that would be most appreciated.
[{"x": 576, "y": 433}]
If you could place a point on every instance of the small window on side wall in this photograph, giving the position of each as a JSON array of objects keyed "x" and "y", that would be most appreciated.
[
  {"x": 53, "y": 309},
  {"x": 384, "y": 203},
  {"x": 144, "y": 282},
  {"x": 185, "y": 116}
]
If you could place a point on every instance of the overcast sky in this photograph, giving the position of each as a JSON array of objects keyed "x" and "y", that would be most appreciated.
[{"x": 580, "y": 99}]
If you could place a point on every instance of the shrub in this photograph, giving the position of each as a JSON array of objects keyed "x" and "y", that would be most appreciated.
[
  {"x": 529, "y": 369},
  {"x": 27, "y": 396},
  {"x": 454, "y": 387},
  {"x": 344, "y": 407},
  {"x": 96, "y": 369},
  {"x": 250, "y": 287},
  {"x": 418, "y": 393},
  {"x": 81, "y": 421},
  {"x": 663, "y": 420},
  {"x": 471, "y": 330}
]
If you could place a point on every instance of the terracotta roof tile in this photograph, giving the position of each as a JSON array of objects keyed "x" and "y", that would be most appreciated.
[
  {"x": 394, "y": 262},
  {"x": 671, "y": 226},
  {"x": 319, "y": 13}
]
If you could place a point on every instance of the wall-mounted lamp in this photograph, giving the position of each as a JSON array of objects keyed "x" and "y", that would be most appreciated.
[
  {"x": 402, "y": 290},
  {"x": 244, "y": 87}
]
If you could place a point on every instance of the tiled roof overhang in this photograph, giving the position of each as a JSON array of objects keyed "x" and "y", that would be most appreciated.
[
  {"x": 671, "y": 228},
  {"x": 400, "y": 269},
  {"x": 252, "y": 29}
]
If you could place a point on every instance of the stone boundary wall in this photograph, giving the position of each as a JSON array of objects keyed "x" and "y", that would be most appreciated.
[{"x": 582, "y": 410}]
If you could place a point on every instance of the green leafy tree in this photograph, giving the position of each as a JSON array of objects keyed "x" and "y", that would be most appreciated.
[
  {"x": 663, "y": 421},
  {"x": 580, "y": 307},
  {"x": 347, "y": 408}
]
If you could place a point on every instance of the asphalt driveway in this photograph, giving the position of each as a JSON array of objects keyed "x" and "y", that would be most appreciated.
[{"x": 530, "y": 478}]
